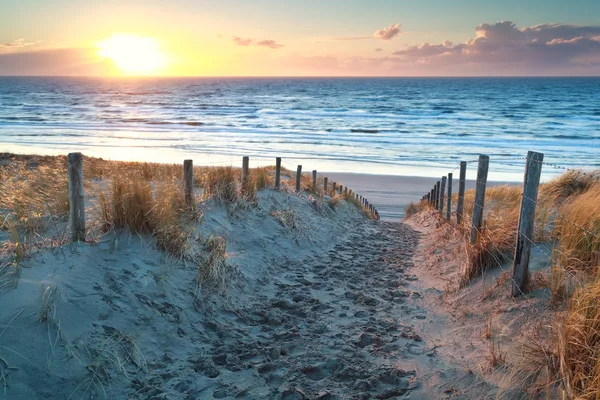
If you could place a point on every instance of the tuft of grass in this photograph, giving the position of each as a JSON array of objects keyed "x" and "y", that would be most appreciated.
[
  {"x": 135, "y": 207},
  {"x": 286, "y": 218},
  {"x": 579, "y": 344},
  {"x": 578, "y": 229},
  {"x": 334, "y": 201},
  {"x": 567, "y": 185},
  {"x": 221, "y": 184},
  {"x": 213, "y": 266}
]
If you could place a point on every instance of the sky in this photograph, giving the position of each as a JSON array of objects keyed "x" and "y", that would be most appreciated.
[{"x": 300, "y": 37}]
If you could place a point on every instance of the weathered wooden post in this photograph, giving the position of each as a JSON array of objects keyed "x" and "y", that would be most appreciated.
[
  {"x": 449, "y": 204},
  {"x": 298, "y": 177},
  {"x": 245, "y": 165},
  {"x": 325, "y": 184},
  {"x": 531, "y": 183},
  {"x": 277, "y": 172},
  {"x": 460, "y": 205},
  {"x": 76, "y": 197},
  {"x": 345, "y": 190},
  {"x": 442, "y": 193},
  {"x": 314, "y": 176},
  {"x": 431, "y": 197},
  {"x": 482, "y": 173},
  {"x": 437, "y": 195},
  {"x": 188, "y": 182},
  {"x": 334, "y": 188}
]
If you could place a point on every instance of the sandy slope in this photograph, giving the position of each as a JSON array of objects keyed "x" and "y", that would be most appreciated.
[{"x": 320, "y": 309}]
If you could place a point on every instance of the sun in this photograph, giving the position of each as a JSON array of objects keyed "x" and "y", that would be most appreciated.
[{"x": 133, "y": 55}]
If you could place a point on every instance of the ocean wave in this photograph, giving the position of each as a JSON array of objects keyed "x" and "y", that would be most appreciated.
[{"x": 359, "y": 130}]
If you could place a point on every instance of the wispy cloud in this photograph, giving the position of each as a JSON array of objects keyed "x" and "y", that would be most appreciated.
[
  {"x": 378, "y": 49},
  {"x": 242, "y": 42},
  {"x": 19, "y": 43},
  {"x": 388, "y": 33},
  {"x": 271, "y": 44}
]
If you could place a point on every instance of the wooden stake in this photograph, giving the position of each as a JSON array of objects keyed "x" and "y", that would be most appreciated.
[
  {"x": 188, "y": 182},
  {"x": 442, "y": 192},
  {"x": 482, "y": 173},
  {"x": 277, "y": 172},
  {"x": 245, "y": 167},
  {"x": 314, "y": 176},
  {"x": 531, "y": 183},
  {"x": 76, "y": 197},
  {"x": 449, "y": 205},
  {"x": 298, "y": 177},
  {"x": 460, "y": 205}
]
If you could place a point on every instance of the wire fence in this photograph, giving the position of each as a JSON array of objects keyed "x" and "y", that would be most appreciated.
[{"x": 452, "y": 209}]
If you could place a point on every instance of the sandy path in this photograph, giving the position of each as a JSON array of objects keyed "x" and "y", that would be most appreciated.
[{"x": 336, "y": 326}]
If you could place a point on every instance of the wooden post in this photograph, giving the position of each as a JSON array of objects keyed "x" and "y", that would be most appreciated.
[
  {"x": 76, "y": 197},
  {"x": 277, "y": 172},
  {"x": 345, "y": 190},
  {"x": 460, "y": 205},
  {"x": 245, "y": 165},
  {"x": 437, "y": 195},
  {"x": 442, "y": 192},
  {"x": 314, "y": 175},
  {"x": 325, "y": 184},
  {"x": 298, "y": 177},
  {"x": 531, "y": 183},
  {"x": 334, "y": 187},
  {"x": 431, "y": 197},
  {"x": 449, "y": 205},
  {"x": 482, "y": 172},
  {"x": 188, "y": 182}
]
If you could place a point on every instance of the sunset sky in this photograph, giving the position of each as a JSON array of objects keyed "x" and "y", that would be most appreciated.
[{"x": 300, "y": 38}]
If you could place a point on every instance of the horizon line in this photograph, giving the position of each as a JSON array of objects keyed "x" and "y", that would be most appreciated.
[{"x": 297, "y": 76}]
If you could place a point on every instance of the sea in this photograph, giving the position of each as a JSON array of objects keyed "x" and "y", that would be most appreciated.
[{"x": 386, "y": 126}]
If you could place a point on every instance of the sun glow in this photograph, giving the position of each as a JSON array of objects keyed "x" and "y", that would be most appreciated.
[{"x": 133, "y": 55}]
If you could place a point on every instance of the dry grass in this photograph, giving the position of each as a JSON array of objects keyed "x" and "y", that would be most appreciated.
[
  {"x": 496, "y": 241},
  {"x": 213, "y": 265},
  {"x": 579, "y": 344},
  {"x": 221, "y": 183},
  {"x": 162, "y": 212},
  {"x": 33, "y": 195}
]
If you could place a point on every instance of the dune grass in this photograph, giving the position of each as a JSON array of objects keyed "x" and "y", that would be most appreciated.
[{"x": 568, "y": 217}]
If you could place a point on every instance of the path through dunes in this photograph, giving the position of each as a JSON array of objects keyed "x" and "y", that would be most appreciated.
[{"x": 337, "y": 326}]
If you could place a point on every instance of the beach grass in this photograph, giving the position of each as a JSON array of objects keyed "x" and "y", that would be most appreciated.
[{"x": 567, "y": 221}]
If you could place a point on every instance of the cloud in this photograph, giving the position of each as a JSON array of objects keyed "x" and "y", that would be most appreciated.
[
  {"x": 242, "y": 42},
  {"x": 388, "y": 33},
  {"x": 73, "y": 61},
  {"x": 269, "y": 43},
  {"x": 19, "y": 43},
  {"x": 378, "y": 49},
  {"x": 505, "y": 46}
]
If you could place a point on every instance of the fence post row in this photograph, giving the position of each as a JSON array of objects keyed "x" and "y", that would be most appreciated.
[
  {"x": 76, "y": 197},
  {"x": 461, "y": 191},
  {"x": 245, "y": 168},
  {"x": 442, "y": 191},
  {"x": 482, "y": 172},
  {"x": 449, "y": 207},
  {"x": 188, "y": 182},
  {"x": 531, "y": 182},
  {"x": 277, "y": 172},
  {"x": 298, "y": 177}
]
